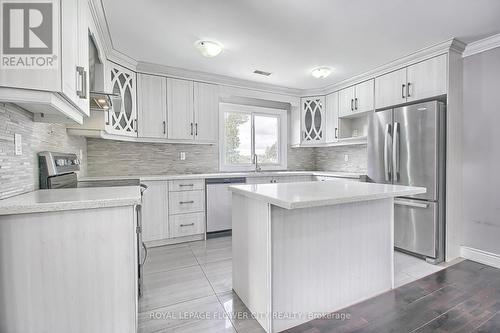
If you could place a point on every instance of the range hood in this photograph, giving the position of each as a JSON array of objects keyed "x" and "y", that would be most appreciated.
[{"x": 99, "y": 99}]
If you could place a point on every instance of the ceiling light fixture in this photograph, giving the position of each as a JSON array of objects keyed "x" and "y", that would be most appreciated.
[
  {"x": 321, "y": 72},
  {"x": 209, "y": 49}
]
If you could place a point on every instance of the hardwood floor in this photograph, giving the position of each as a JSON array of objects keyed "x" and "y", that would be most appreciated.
[
  {"x": 195, "y": 278},
  {"x": 461, "y": 298}
]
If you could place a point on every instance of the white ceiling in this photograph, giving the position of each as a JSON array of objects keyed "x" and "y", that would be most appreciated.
[{"x": 290, "y": 37}]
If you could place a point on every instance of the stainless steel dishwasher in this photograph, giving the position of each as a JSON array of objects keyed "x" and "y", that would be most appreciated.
[{"x": 219, "y": 203}]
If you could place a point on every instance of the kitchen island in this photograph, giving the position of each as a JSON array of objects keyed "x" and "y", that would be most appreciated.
[{"x": 303, "y": 250}]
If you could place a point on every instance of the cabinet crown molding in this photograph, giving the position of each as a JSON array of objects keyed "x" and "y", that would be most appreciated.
[{"x": 482, "y": 45}]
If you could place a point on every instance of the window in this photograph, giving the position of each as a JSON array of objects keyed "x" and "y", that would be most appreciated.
[{"x": 246, "y": 131}]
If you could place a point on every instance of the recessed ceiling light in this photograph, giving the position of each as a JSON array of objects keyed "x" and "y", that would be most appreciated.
[
  {"x": 321, "y": 72},
  {"x": 209, "y": 49}
]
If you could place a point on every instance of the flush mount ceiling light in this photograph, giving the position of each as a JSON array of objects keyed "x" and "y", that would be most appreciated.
[
  {"x": 209, "y": 49},
  {"x": 321, "y": 72}
]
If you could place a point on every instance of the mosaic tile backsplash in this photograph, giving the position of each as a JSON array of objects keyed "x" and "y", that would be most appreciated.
[{"x": 19, "y": 174}]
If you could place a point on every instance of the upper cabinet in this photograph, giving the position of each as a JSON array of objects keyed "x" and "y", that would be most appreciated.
[
  {"x": 206, "y": 112},
  {"x": 180, "y": 109},
  {"x": 152, "y": 106},
  {"x": 427, "y": 78},
  {"x": 52, "y": 68},
  {"x": 422, "y": 80},
  {"x": 356, "y": 99},
  {"x": 192, "y": 111},
  {"x": 122, "y": 117},
  {"x": 313, "y": 119},
  {"x": 390, "y": 89},
  {"x": 332, "y": 117}
]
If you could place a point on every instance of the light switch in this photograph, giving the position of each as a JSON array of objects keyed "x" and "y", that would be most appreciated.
[
  {"x": 18, "y": 144},
  {"x": 183, "y": 156},
  {"x": 346, "y": 158}
]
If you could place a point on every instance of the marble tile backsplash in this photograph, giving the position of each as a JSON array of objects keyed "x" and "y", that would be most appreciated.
[
  {"x": 108, "y": 158},
  {"x": 332, "y": 158},
  {"x": 19, "y": 174}
]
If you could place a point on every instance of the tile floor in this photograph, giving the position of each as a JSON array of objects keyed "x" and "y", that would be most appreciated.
[{"x": 187, "y": 288}]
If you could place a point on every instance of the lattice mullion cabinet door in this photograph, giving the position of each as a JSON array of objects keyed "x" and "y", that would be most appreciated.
[
  {"x": 313, "y": 120},
  {"x": 122, "y": 117}
]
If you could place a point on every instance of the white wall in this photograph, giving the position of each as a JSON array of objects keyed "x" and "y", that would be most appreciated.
[{"x": 481, "y": 151}]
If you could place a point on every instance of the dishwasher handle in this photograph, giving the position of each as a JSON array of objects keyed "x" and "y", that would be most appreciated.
[{"x": 232, "y": 180}]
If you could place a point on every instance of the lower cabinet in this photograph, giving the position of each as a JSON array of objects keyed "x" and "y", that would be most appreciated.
[
  {"x": 172, "y": 209},
  {"x": 187, "y": 224},
  {"x": 155, "y": 211}
]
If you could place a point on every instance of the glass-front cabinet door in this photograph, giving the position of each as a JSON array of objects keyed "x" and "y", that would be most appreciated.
[
  {"x": 313, "y": 119},
  {"x": 122, "y": 117}
]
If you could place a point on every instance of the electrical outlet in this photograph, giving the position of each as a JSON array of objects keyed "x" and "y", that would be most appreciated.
[
  {"x": 183, "y": 156},
  {"x": 18, "y": 144},
  {"x": 346, "y": 158}
]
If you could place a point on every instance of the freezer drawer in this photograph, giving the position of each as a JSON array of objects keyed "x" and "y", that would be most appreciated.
[{"x": 416, "y": 226}]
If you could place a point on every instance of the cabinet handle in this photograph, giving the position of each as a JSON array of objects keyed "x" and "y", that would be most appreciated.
[
  {"x": 182, "y": 185},
  {"x": 186, "y": 202},
  {"x": 196, "y": 129},
  {"x": 135, "y": 125},
  {"x": 108, "y": 115},
  {"x": 187, "y": 225},
  {"x": 164, "y": 127},
  {"x": 81, "y": 89},
  {"x": 352, "y": 103},
  {"x": 403, "y": 91},
  {"x": 356, "y": 103},
  {"x": 191, "y": 129},
  {"x": 336, "y": 133},
  {"x": 408, "y": 90}
]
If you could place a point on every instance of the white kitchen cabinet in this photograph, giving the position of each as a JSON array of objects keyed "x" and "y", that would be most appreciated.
[
  {"x": 419, "y": 81},
  {"x": 356, "y": 99},
  {"x": 390, "y": 89},
  {"x": 151, "y": 106},
  {"x": 186, "y": 202},
  {"x": 155, "y": 211},
  {"x": 427, "y": 79},
  {"x": 67, "y": 78},
  {"x": 332, "y": 117},
  {"x": 364, "y": 96},
  {"x": 346, "y": 101},
  {"x": 206, "y": 112},
  {"x": 312, "y": 120},
  {"x": 192, "y": 111},
  {"x": 180, "y": 109},
  {"x": 122, "y": 117},
  {"x": 68, "y": 268},
  {"x": 187, "y": 224}
]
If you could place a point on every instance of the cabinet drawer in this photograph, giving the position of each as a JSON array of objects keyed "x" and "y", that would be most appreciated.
[
  {"x": 186, "y": 185},
  {"x": 187, "y": 224},
  {"x": 186, "y": 202}
]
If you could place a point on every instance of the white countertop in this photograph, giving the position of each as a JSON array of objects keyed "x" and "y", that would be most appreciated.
[
  {"x": 313, "y": 194},
  {"x": 70, "y": 199},
  {"x": 228, "y": 174}
]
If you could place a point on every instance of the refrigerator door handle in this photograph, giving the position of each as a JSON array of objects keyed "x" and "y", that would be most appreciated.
[
  {"x": 387, "y": 144},
  {"x": 395, "y": 151},
  {"x": 411, "y": 203}
]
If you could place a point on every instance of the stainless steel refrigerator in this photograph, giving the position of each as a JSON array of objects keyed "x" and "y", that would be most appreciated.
[{"x": 406, "y": 146}]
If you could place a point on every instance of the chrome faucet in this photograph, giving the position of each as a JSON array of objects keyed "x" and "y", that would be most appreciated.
[{"x": 257, "y": 167}]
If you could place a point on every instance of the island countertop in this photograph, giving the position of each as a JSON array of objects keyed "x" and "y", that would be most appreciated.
[
  {"x": 70, "y": 199},
  {"x": 314, "y": 194}
]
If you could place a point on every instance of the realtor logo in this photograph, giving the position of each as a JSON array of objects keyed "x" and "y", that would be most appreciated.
[{"x": 27, "y": 35}]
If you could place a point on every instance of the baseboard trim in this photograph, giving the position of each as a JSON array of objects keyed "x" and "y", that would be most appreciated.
[{"x": 487, "y": 258}]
